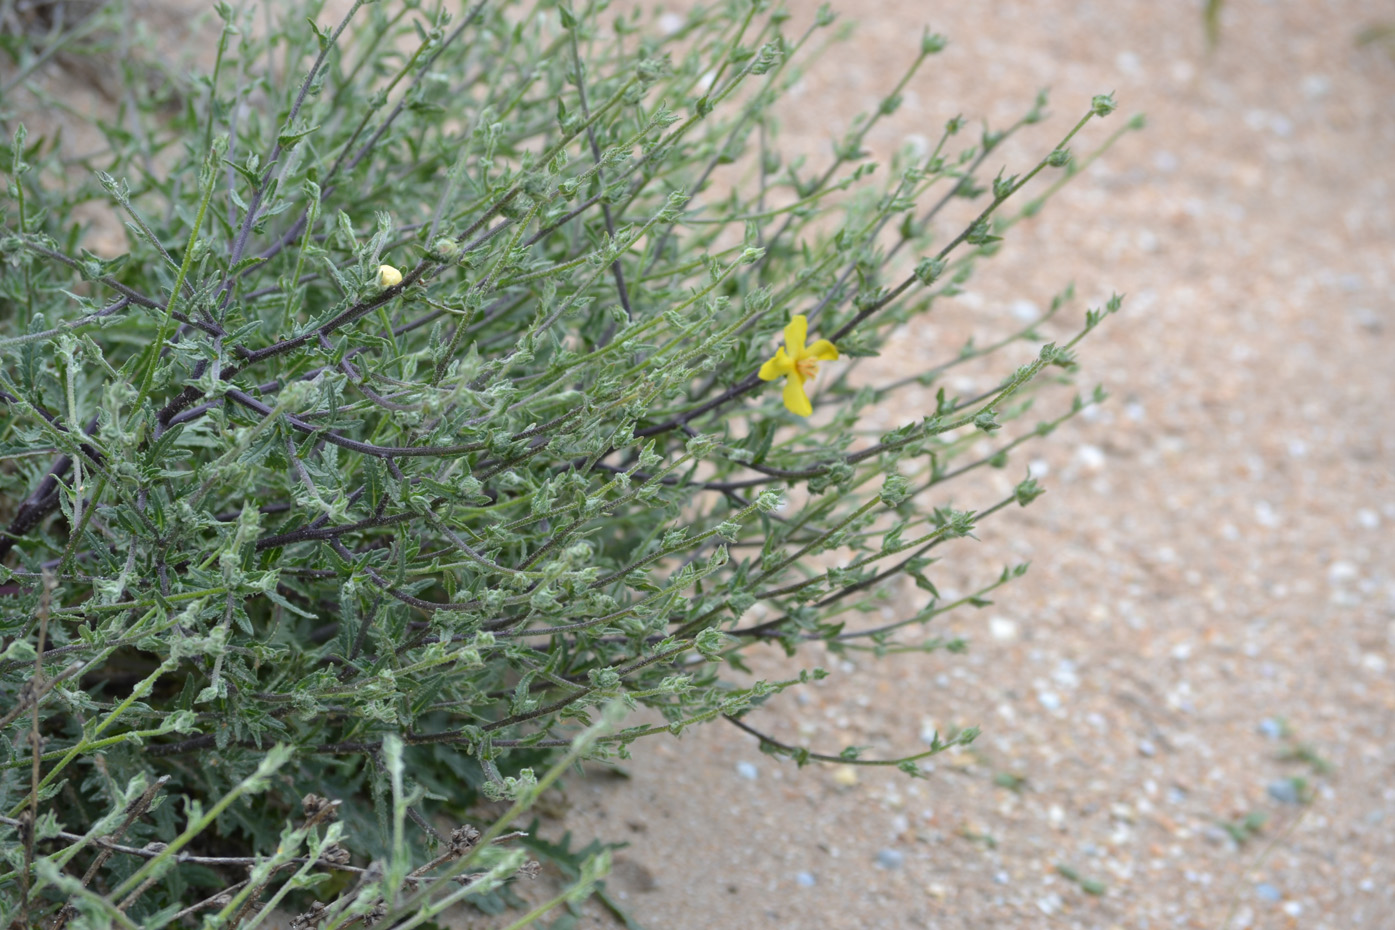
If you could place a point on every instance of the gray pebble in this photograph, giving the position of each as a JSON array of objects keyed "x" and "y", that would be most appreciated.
[
  {"x": 1285, "y": 791},
  {"x": 890, "y": 858},
  {"x": 1146, "y": 748},
  {"x": 1267, "y": 892},
  {"x": 805, "y": 879},
  {"x": 747, "y": 770},
  {"x": 1271, "y": 728}
]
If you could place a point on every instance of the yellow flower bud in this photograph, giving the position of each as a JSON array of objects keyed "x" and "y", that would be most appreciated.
[{"x": 388, "y": 276}]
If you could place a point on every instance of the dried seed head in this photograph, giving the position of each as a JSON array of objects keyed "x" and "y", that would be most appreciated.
[
  {"x": 155, "y": 846},
  {"x": 532, "y": 868},
  {"x": 313, "y": 804},
  {"x": 463, "y": 839},
  {"x": 334, "y": 854},
  {"x": 309, "y": 918},
  {"x": 25, "y": 826}
]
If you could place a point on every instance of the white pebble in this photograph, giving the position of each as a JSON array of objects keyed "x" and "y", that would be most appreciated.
[
  {"x": 1316, "y": 85},
  {"x": 1090, "y": 457},
  {"x": 1025, "y": 310},
  {"x": 1003, "y": 629},
  {"x": 747, "y": 770},
  {"x": 1341, "y": 573},
  {"x": 1065, "y": 675}
]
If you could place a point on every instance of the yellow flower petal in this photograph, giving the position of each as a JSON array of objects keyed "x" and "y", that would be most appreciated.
[
  {"x": 795, "y": 333},
  {"x": 796, "y": 401},
  {"x": 824, "y": 351},
  {"x": 777, "y": 367}
]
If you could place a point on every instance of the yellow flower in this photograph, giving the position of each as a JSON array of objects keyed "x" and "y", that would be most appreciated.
[
  {"x": 798, "y": 363},
  {"x": 388, "y": 276}
]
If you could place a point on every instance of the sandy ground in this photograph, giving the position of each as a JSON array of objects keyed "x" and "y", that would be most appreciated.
[
  {"x": 1213, "y": 573},
  {"x": 1212, "y": 590}
]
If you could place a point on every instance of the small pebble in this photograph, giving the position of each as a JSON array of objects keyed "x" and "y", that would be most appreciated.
[
  {"x": 1025, "y": 310},
  {"x": 1049, "y": 699},
  {"x": 1316, "y": 85},
  {"x": 1090, "y": 457},
  {"x": 804, "y": 879},
  {"x": 845, "y": 775},
  {"x": 1267, "y": 892},
  {"x": 1002, "y": 629},
  {"x": 1147, "y": 749},
  {"x": 1341, "y": 573},
  {"x": 1285, "y": 791},
  {"x": 919, "y": 145},
  {"x": 890, "y": 859},
  {"x": 747, "y": 770},
  {"x": 1271, "y": 728}
]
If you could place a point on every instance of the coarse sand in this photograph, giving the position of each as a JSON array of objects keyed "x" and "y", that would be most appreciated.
[{"x": 1206, "y": 637}]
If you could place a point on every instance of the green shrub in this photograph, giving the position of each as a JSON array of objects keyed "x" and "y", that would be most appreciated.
[{"x": 420, "y": 435}]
